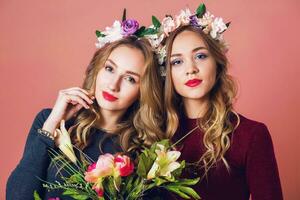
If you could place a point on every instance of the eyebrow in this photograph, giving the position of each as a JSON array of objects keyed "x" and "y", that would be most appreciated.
[
  {"x": 194, "y": 50},
  {"x": 127, "y": 72}
]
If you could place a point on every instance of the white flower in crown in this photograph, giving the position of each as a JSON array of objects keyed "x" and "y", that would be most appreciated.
[
  {"x": 183, "y": 18},
  {"x": 217, "y": 27},
  {"x": 168, "y": 25},
  {"x": 162, "y": 54},
  {"x": 111, "y": 34},
  {"x": 155, "y": 39},
  {"x": 206, "y": 19}
]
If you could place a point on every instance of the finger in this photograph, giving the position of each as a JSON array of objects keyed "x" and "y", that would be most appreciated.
[
  {"x": 62, "y": 125},
  {"x": 77, "y": 99},
  {"x": 81, "y": 94},
  {"x": 57, "y": 133},
  {"x": 78, "y": 89}
]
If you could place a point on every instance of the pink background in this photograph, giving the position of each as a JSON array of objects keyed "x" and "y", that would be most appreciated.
[{"x": 46, "y": 45}]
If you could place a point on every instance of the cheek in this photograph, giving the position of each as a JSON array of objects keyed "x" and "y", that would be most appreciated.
[
  {"x": 176, "y": 75},
  {"x": 130, "y": 92},
  {"x": 210, "y": 76},
  {"x": 100, "y": 81}
]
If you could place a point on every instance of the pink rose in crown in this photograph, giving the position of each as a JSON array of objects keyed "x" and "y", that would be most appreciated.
[
  {"x": 123, "y": 165},
  {"x": 129, "y": 27}
]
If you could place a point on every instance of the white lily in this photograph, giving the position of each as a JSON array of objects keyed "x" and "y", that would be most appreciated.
[
  {"x": 64, "y": 142},
  {"x": 165, "y": 163}
]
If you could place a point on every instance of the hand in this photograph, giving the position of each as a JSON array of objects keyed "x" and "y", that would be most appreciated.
[{"x": 68, "y": 103}]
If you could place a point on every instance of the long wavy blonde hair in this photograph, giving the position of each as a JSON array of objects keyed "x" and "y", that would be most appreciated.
[
  {"x": 217, "y": 122},
  {"x": 141, "y": 125}
]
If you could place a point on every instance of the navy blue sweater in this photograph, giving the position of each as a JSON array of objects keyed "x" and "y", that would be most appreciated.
[{"x": 35, "y": 162}]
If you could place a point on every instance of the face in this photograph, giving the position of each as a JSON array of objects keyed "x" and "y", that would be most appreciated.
[
  {"x": 118, "y": 81},
  {"x": 193, "y": 69}
]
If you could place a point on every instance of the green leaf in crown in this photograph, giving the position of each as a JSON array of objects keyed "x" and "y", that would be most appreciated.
[
  {"x": 201, "y": 10},
  {"x": 156, "y": 22},
  {"x": 99, "y": 34}
]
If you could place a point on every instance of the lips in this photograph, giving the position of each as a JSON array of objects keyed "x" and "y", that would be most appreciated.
[
  {"x": 108, "y": 96},
  {"x": 193, "y": 82}
]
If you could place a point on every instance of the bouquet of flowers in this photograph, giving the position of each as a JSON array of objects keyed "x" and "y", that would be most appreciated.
[{"x": 117, "y": 177}]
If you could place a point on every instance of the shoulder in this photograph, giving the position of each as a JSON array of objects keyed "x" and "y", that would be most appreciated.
[
  {"x": 250, "y": 123},
  {"x": 44, "y": 113},
  {"x": 253, "y": 131},
  {"x": 41, "y": 116}
]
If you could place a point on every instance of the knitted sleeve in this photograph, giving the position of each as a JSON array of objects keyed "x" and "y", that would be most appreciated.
[
  {"x": 25, "y": 178},
  {"x": 261, "y": 166}
]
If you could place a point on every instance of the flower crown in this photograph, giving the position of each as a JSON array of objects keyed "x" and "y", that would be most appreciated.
[
  {"x": 159, "y": 31},
  {"x": 214, "y": 27},
  {"x": 122, "y": 29}
]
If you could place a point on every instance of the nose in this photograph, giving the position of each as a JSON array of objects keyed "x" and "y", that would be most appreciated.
[
  {"x": 114, "y": 85},
  {"x": 191, "y": 68}
]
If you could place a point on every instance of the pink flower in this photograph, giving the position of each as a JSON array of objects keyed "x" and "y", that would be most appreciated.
[
  {"x": 104, "y": 167},
  {"x": 168, "y": 25},
  {"x": 54, "y": 198},
  {"x": 99, "y": 189},
  {"x": 123, "y": 165},
  {"x": 129, "y": 27},
  {"x": 91, "y": 167}
]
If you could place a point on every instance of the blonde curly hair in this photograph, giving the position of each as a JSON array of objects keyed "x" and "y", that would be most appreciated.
[
  {"x": 141, "y": 124},
  {"x": 216, "y": 122}
]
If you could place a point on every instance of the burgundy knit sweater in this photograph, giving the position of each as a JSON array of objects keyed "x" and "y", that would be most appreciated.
[{"x": 253, "y": 167}]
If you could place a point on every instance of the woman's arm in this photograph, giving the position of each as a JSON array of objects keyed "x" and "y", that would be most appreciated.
[
  {"x": 34, "y": 163},
  {"x": 261, "y": 167}
]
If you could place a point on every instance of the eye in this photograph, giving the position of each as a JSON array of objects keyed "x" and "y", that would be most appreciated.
[
  {"x": 108, "y": 68},
  {"x": 176, "y": 62},
  {"x": 130, "y": 79},
  {"x": 200, "y": 56}
]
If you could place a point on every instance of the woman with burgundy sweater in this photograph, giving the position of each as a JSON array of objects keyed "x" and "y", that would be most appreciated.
[{"x": 232, "y": 154}]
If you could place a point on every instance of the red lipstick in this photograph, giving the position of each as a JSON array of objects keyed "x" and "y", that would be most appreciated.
[
  {"x": 108, "y": 96},
  {"x": 193, "y": 82}
]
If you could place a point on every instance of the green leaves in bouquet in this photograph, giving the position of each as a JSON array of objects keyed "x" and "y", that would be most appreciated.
[
  {"x": 76, "y": 194},
  {"x": 136, "y": 188},
  {"x": 36, "y": 195},
  {"x": 146, "y": 160},
  {"x": 110, "y": 188},
  {"x": 177, "y": 172},
  {"x": 183, "y": 189}
]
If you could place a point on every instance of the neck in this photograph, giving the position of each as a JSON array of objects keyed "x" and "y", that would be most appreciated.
[
  {"x": 109, "y": 119},
  {"x": 195, "y": 108}
]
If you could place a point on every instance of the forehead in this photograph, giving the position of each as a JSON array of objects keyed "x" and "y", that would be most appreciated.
[
  {"x": 128, "y": 58},
  {"x": 186, "y": 41}
]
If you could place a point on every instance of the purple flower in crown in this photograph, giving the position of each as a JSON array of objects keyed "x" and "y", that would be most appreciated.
[
  {"x": 129, "y": 27},
  {"x": 194, "y": 20}
]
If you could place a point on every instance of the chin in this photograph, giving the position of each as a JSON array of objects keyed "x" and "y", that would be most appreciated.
[
  {"x": 108, "y": 105},
  {"x": 193, "y": 95}
]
